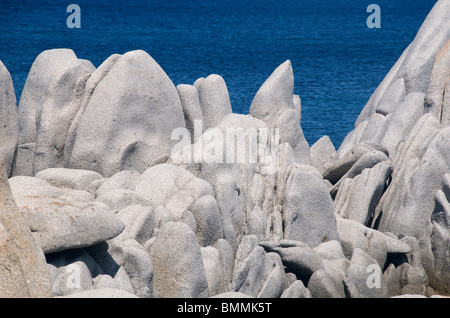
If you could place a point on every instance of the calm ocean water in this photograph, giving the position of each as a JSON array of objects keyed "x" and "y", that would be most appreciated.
[{"x": 338, "y": 61}]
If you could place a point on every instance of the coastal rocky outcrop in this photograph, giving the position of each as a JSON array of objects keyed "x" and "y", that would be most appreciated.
[{"x": 115, "y": 183}]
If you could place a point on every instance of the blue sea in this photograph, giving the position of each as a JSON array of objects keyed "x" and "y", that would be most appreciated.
[{"x": 338, "y": 61}]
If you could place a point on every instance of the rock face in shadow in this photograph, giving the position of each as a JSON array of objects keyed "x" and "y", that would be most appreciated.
[{"x": 214, "y": 100}]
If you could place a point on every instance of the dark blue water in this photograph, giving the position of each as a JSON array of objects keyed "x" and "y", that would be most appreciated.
[{"x": 338, "y": 61}]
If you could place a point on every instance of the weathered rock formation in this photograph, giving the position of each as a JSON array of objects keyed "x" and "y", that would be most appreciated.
[{"x": 116, "y": 183}]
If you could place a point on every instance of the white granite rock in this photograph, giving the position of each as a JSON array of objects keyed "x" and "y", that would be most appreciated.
[
  {"x": 308, "y": 208},
  {"x": 274, "y": 104},
  {"x": 115, "y": 132},
  {"x": 177, "y": 263},
  {"x": 9, "y": 120},
  {"x": 214, "y": 100}
]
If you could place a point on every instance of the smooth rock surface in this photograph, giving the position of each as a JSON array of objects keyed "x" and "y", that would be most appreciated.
[
  {"x": 101, "y": 293},
  {"x": 214, "y": 100},
  {"x": 255, "y": 274},
  {"x": 322, "y": 152},
  {"x": 308, "y": 208},
  {"x": 70, "y": 178},
  {"x": 364, "y": 277},
  {"x": 323, "y": 285},
  {"x": 137, "y": 265},
  {"x": 177, "y": 263},
  {"x": 274, "y": 104},
  {"x": 123, "y": 185},
  {"x": 58, "y": 224},
  {"x": 408, "y": 213},
  {"x": 125, "y": 137},
  {"x": 45, "y": 66},
  {"x": 53, "y": 118},
  {"x": 9, "y": 120},
  {"x": 359, "y": 201},
  {"x": 296, "y": 290},
  {"x": 192, "y": 110},
  {"x": 139, "y": 223},
  {"x": 23, "y": 272},
  {"x": 297, "y": 256}
]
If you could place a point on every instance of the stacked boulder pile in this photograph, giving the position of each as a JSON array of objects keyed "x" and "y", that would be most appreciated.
[{"x": 95, "y": 201}]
